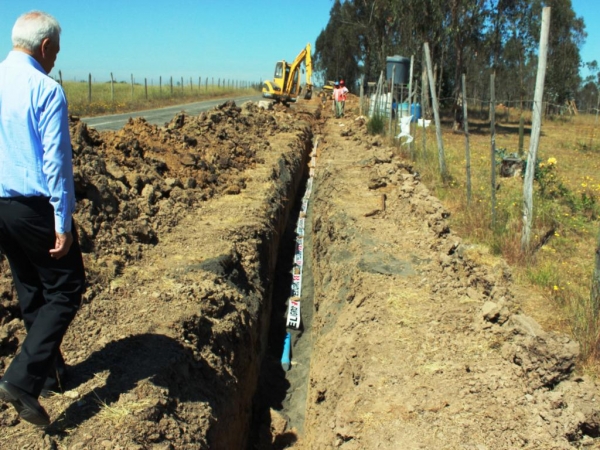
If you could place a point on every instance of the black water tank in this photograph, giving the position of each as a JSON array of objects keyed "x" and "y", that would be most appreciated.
[{"x": 402, "y": 65}]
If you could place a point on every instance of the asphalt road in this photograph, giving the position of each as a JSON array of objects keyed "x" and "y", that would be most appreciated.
[{"x": 159, "y": 116}]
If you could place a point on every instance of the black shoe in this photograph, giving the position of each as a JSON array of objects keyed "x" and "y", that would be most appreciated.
[
  {"x": 27, "y": 405},
  {"x": 48, "y": 392},
  {"x": 55, "y": 383}
]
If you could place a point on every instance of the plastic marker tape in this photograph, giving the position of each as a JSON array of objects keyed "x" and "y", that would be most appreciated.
[
  {"x": 300, "y": 226},
  {"x": 287, "y": 348},
  {"x": 297, "y": 273},
  {"x": 293, "y": 318},
  {"x": 296, "y": 287}
]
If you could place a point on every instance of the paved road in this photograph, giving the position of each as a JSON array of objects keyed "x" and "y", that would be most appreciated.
[{"x": 159, "y": 116}]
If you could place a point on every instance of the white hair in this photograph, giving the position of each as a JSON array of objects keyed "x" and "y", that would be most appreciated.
[{"x": 32, "y": 28}]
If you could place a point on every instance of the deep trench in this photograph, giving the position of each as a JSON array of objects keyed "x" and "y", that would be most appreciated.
[{"x": 278, "y": 389}]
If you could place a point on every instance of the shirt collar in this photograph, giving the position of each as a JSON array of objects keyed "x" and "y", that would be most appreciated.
[{"x": 22, "y": 57}]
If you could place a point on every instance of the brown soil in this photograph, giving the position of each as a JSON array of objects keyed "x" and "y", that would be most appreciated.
[{"x": 412, "y": 338}]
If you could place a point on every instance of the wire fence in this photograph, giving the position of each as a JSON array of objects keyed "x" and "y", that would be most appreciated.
[{"x": 86, "y": 97}]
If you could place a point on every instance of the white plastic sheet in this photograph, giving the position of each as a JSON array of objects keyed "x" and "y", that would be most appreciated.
[{"x": 405, "y": 129}]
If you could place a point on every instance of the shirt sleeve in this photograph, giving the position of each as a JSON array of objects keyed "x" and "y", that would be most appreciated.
[{"x": 57, "y": 159}]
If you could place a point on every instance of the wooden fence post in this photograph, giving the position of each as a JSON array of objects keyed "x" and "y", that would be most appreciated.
[
  {"x": 60, "y": 77},
  {"x": 131, "y": 86},
  {"x": 171, "y": 79},
  {"x": 112, "y": 88},
  {"x": 595, "y": 291},
  {"x": 436, "y": 114},
  {"x": 391, "y": 105},
  {"x": 410, "y": 107},
  {"x": 595, "y": 123},
  {"x": 466, "y": 129},
  {"x": 146, "y": 88},
  {"x": 160, "y": 86},
  {"x": 362, "y": 94},
  {"x": 424, "y": 107},
  {"x": 535, "y": 132},
  {"x": 90, "y": 88},
  {"x": 493, "y": 146},
  {"x": 521, "y": 133}
]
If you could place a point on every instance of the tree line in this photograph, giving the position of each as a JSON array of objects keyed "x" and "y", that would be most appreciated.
[{"x": 472, "y": 37}]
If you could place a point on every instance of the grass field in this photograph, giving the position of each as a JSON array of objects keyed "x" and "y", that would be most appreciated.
[
  {"x": 566, "y": 210},
  {"x": 123, "y": 97}
]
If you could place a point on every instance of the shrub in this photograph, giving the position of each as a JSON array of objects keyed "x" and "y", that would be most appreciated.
[{"x": 376, "y": 125}]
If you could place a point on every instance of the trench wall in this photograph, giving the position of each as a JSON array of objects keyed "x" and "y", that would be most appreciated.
[{"x": 259, "y": 243}]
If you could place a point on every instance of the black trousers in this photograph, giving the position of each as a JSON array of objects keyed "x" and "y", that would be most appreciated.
[{"x": 49, "y": 290}]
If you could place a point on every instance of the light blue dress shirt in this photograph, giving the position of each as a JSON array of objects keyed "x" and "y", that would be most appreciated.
[{"x": 35, "y": 146}]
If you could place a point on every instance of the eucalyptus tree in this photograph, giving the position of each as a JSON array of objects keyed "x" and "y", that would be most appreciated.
[
  {"x": 466, "y": 21},
  {"x": 566, "y": 36},
  {"x": 474, "y": 37},
  {"x": 337, "y": 50},
  {"x": 511, "y": 48},
  {"x": 372, "y": 30},
  {"x": 588, "y": 94}
]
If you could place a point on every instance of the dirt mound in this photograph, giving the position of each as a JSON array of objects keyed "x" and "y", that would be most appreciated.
[
  {"x": 136, "y": 183},
  {"x": 143, "y": 195}
]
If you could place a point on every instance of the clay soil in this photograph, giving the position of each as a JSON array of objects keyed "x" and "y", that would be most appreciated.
[{"x": 412, "y": 337}]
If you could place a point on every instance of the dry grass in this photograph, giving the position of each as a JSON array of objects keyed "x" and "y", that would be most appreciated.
[
  {"x": 141, "y": 97},
  {"x": 566, "y": 211}
]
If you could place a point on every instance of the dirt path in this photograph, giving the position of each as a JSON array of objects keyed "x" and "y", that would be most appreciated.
[
  {"x": 414, "y": 339},
  {"x": 419, "y": 343}
]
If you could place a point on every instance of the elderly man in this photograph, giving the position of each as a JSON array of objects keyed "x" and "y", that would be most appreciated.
[{"x": 37, "y": 200}]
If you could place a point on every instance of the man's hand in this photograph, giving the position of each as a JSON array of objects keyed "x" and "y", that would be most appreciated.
[{"x": 61, "y": 245}]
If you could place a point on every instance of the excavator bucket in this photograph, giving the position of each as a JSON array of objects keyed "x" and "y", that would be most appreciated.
[{"x": 308, "y": 94}]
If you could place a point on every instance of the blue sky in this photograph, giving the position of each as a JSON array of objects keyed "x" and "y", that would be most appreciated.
[
  {"x": 590, "y": 11},
  {"x": 232, "y": 39}
]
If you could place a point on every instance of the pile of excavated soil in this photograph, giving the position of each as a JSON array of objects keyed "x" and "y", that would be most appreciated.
[
  {"x": 416, "y": 338},
  {"x": 180, "y": 228}
]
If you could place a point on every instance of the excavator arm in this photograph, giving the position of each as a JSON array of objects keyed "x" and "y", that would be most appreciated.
[
  {"x": 303, "y": 57},
  {"x": 285, "y": 86}
]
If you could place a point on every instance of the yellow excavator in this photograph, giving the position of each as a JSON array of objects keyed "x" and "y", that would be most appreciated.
[{"x": 285, "y": 86}]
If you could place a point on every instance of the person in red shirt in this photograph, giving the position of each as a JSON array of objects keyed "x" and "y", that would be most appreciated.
[
  {"x": 336, "y": 92},
  {"x": 340, "y": 99}
]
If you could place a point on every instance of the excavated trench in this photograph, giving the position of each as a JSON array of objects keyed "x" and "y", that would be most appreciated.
[
  {"x": 280, "y": 401},
  {"x": 263, "y": 388},
  {"x": 277, "y": 390}
]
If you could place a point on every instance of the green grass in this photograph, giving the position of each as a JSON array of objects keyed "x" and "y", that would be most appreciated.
[{"x": 376, "y": 125}]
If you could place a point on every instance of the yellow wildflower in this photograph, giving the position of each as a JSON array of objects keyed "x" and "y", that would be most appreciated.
[{"x": 551, "y": 161}]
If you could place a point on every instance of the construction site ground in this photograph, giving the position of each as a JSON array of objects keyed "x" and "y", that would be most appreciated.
[{"x": 412, "y": 337}]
